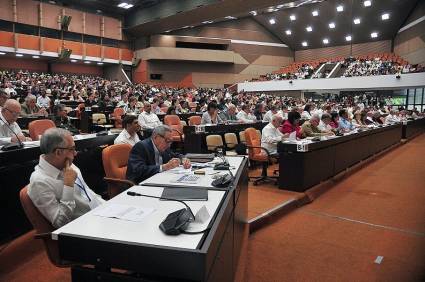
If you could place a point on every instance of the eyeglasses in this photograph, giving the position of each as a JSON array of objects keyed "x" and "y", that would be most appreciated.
[
  {"x": 69, "y": 149},
  {"x": 12, "y": 112},
  {"x": 168, "y": 141}
]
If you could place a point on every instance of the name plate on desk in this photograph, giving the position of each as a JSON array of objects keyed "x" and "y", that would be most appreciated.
[
  {"x": 302, "y": 147},
  {"x": 199, "y": 129}
]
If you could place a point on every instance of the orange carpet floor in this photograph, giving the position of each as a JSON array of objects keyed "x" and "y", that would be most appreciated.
[{"x": 378, "y": 212}]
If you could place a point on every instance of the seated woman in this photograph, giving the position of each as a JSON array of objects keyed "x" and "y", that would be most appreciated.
[
  {"x": 171, "y": 110},
  {"x": 334, "y": 120},
  {"x": 357, "y": 120},
  {"x": 292, "y": 124}
]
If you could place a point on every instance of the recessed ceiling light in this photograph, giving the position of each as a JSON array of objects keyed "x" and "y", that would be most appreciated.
[
  {"x": 254, "y": 13},
  {"x": 122, "y": 5},
  {"x": 292, "y": 17},
  {"x": 374, "y": 34},
  {"x": 348, "y": 38},
  {"x": 2, "y": 53},
  {"x": 167, "y": 31},
  {"x": 309, "y": 28},
  {"x": 367, "y": 3},
  {"x": 230, "y": 18},
  {"x": 87, "y": 62},
  {"x": 73, "y": 61},
  {"x": 340, "y": 8},
  {"x": 19, "y": 55},
  {"x": 280, "y": 6},
  {"x": 99, "y": 11},
  {"x": 207, "y": 22},
  {"x": 325, "y": 41},
  {"x": 36, "y": 57},
  {"x": 304, "y": 43},
  {"x": 331, "y": 25},
  {"x": 356, "y": 21},
  {"x": 272, "y": 21},
  {"x": 99, "y": 63},
  {"x": 315, "y": 13},
  {"x": 128, "y": 6},
  {"x": 385, "y": 16},
  {"x": 288, "y": 32},
  {"x": 270, "y": 9}
]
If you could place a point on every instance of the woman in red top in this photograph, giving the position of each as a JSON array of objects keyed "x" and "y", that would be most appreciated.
[
  {"x": 334, "y": 120},
  {"x": 292, "y": 124}
]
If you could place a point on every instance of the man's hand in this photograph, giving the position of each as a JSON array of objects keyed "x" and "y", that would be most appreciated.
[
  {"x": 69, "y": 175},
  {"x": 15, "y": 140},
  {"x": 186, "y": 163},
  {"x": 174, "y": 162}
]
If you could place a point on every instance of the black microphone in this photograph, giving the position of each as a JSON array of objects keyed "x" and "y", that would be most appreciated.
[
  {"x": 131, "y": 193},
  {"x": 12, "y": 146}
]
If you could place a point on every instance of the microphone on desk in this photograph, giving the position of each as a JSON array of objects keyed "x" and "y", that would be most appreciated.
[
  {"x": 12, "y": 146},
  {"x": 175, "y": 222}
]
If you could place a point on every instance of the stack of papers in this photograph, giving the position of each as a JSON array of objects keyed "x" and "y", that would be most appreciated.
[{"x": 124, "y": 212}]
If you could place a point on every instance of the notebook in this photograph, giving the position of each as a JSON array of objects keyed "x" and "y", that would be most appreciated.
[{"x": 185, "y": 194}]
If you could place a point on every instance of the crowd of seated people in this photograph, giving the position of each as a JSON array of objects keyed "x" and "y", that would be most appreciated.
[
  {"x": 374, "y": 64},
  {"x": 42, "y": 94}
]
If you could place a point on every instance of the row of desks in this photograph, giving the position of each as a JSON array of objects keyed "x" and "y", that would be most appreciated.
[{"x": 103, "y": 244}]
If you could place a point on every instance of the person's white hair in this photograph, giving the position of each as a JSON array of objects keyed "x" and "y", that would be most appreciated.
[
  {"x": 30, "y": 97},
  {"x": 52, "y": 139}
]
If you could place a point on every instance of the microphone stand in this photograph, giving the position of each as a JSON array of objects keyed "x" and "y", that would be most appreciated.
[{"x": 12, "y": 146}]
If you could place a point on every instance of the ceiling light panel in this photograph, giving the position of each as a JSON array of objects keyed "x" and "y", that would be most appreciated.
[
  {"x": 367, "y": 3},
  {"x": 374, "y": 34},
  {"x": 272, "y": 21},
  {"x": 315, "y": 13},
  {"x": 288, "y": 32},
  {"x": 340, "y": 8},
  {"x": 348, "y": 38},
  {"x": 292, "y": 17},
  {"x": 356, "y": 21},
  {"x": 332, "y": 25},
  {"x": 254, "y": 13},
  {"x": 309, "y": 29},
  {"x": 325, "y": 41},
  {"x": 304, "y": 44},
  {"x": 385, "y": 16}
]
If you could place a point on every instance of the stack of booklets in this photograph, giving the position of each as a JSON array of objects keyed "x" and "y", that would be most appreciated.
[{"x": 200, "y": 158}]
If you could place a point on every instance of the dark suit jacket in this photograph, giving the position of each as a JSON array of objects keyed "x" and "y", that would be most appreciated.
[{"x": 141, "y": 162}]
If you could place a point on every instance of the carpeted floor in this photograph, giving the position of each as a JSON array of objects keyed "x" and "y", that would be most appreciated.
[{"x": 378, "y": 211}]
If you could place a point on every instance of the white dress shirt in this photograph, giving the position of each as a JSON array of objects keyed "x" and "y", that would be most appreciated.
[
  {"x": 5, "y": 133},
  {"x": 60, "y": 204},
  {"x": 270, "y": 136},
  {"x": 206, "y": 119},
  {"x": 125, "y": 138},
  {"x": 306, "y": 115},
  {"x": 148, "y": 121},
  {"x": 392, "y": 119},
  {"x": 268, "y": 116},
  {"x": 43, "y": 102},
  {"x": 323, "y": 127},
  {"x": 246, "y": 118}
]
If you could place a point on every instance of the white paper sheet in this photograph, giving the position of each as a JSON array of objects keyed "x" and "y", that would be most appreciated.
[{"x": 124, "y": 212}]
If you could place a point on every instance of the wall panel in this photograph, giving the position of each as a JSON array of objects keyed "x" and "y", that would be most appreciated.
[
  {"x": 93, "y": 24},
  {"x": 6, "y": 10},
  {"x": 76, "y": 24},
  {"x": 112, "y": 28},
  {"x": 23, "y": 64},
  {"x": 28, "y": 42},
  {"x": 50, "y": 15},
  {"x": 6, "y": 39},
  {"x": 27, "y": 11}
]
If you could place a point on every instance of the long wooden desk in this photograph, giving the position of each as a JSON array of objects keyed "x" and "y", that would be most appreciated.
[
  {"x": 302, "y": 167},
  {"x": 15, "y": 170},
  {"x": 195, "y": 142},
  {"x": 109, "y": 244},
  {"x": 412, "y": 128}
]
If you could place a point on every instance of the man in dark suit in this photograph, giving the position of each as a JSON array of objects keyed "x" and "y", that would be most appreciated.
[{"x": 153, "y": 155}]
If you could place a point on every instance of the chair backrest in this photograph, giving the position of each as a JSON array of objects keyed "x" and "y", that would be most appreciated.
[
  {"x": 37, "y": 127},
  {"x": 174, "y": 122},
  {"x": 242, "y": 137},
  {"x": 195, "y": 120},
  {"x": 214, "y": 141},
  {"x": 115, "y": 159},
  {"x": 41, "y": 226},
  {"x": 118, "y": 112},
  {"x": 99, "y": 118},
  {"x": 252, "y": 139},
  {"x": 259, "y": 134},
  {"x": 231, "y": 140}
]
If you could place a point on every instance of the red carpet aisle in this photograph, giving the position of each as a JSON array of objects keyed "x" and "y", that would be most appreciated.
[{"x": 378, "y": 211}]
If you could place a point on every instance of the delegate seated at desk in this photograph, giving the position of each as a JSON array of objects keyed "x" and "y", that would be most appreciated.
[
  {"x": 271, "y": 134},
  {"x": 211, "y": 115},
  {"x": 245, "y": 115},
  {"x": 230, "y": 114},
  {"x": 57, "y": 187},
  {"x": 147, "y": 119},
  {"x": 310, "y": 127},
  {"x": 153, "y": 155},
  {"x": 9, "y": 129},
  {"x": 129, "y": 134},
  {"x": 30, "y": 107}
]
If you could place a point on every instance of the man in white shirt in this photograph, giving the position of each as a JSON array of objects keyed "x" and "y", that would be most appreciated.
[
  {"x": 57, "y": 187},
  {"x": 211, "y": 115},
  {"x": 271, "y": 134},
  {"x": 129, "y": 134},
  {"x": 147, "y": 119},
  {"x": 43, "y": 101},
  {"x": 392, "y": 117},
  {"x": 9, "y": 129},
  {"x": 245, "y": 115},
  {"x": 270, "y": 113}
]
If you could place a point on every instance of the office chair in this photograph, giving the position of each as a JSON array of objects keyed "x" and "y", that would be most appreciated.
[
  {"x": 115, "y": 159},
  {"x": 38, "y": 127}
]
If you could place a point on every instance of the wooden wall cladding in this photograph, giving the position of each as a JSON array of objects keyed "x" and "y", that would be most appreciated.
[
  {"x": 6, "y": 10},
  {"x": 93, "y": 24},
  {"x": 6, "y": 39},
  {"x": 76, "y": 24},
  {"x": 23, "y": 64},
  {"x": 93, "y": 50},
  {"x": 28, "y": 42},
  {"x": 27, "y": 11}
]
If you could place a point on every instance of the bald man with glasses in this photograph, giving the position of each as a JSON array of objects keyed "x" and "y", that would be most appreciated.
[
  {"x": 153, "y": 155},
  {"x": 9, "y": 129}
]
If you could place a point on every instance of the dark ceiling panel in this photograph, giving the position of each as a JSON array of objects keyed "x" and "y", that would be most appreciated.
[{"x": 370, "y": 22}]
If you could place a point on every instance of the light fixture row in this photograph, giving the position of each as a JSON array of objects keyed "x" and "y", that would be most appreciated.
[{"x": 326, "y": 41}]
